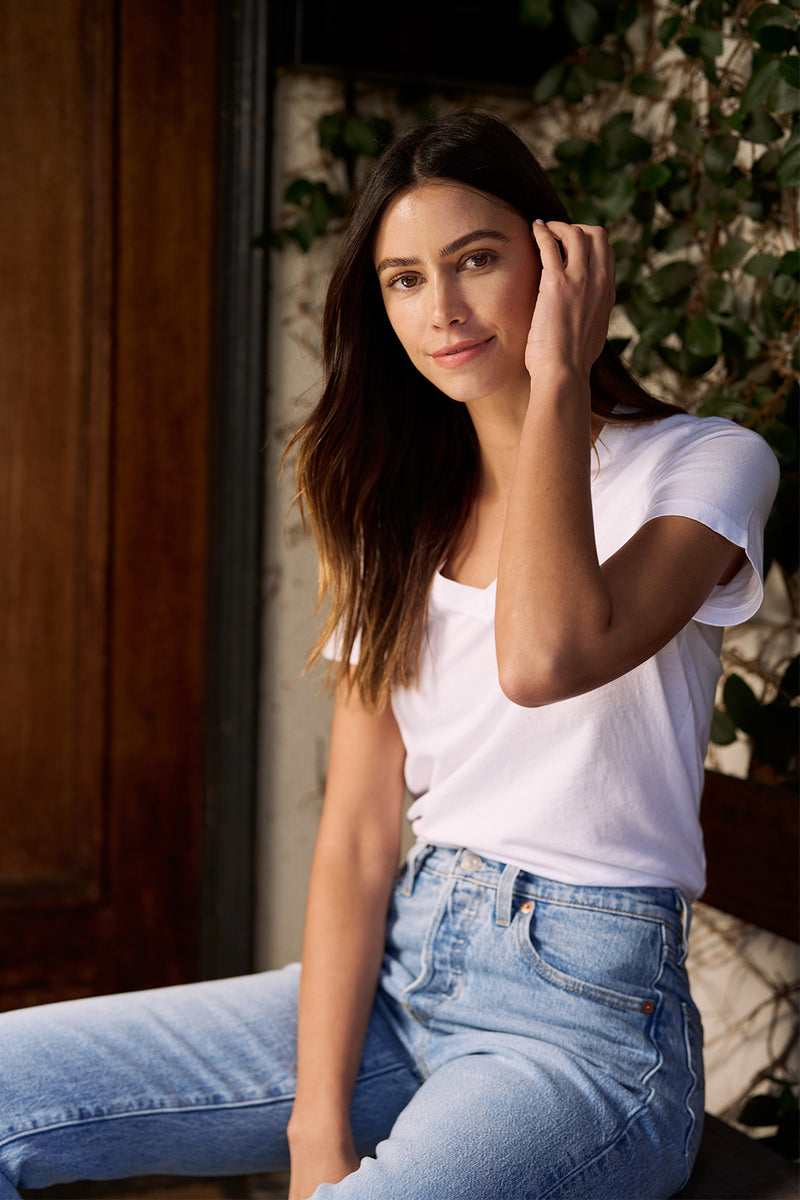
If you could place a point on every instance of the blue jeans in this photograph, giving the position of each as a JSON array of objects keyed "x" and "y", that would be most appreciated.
[{"x": 529, "y": 1039}]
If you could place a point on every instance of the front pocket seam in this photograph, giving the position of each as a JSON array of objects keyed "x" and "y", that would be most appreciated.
[{"x": 568, "y": 983}]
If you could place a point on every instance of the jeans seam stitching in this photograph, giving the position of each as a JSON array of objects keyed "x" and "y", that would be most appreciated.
[{"x": 150, "y": 1111}]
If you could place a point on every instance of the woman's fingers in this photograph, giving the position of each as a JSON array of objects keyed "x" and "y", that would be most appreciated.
[
  {"x": 563, "y": 246},
  {"x": 548, "y": 241},
  {"x": 576, "y": 292}
]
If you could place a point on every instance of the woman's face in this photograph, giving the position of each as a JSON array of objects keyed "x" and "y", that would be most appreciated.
[{"x": 459, "y": 274}]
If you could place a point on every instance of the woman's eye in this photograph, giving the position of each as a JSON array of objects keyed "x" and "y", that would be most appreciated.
[
  {"x": 403, "y": 283},
  {"x": 479, "y": 258}
]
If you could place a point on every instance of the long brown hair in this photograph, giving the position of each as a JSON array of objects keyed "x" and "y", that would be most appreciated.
[{"x": 388, "y": 466}]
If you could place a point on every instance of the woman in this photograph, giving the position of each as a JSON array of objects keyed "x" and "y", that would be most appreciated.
[{"x": 529, "y": 561}]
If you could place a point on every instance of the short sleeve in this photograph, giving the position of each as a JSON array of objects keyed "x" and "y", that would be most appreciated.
[
  {"x": 725, "y": 477},
  {"x": 333, "y": 649}
]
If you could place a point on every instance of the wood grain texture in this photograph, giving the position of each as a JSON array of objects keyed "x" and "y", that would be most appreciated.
[{"x": 107, "y": 180}]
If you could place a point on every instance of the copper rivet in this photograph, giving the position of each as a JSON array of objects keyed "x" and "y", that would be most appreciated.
[
  {"x": 526, "y": 907},
  {"x": 648, "y": 1006}
]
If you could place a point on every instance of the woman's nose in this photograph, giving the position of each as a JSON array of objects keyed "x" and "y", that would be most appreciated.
[{"x": 448, "y": 304}]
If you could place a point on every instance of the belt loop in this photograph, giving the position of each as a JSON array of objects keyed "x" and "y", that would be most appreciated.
[
  {"x": 505, "y": 891},
  {"x": 686, "y": 923},
  {"x": 412, "y": 867}
]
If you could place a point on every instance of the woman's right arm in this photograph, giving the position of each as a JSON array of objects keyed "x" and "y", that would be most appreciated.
[{"x": 355, "y": 863}]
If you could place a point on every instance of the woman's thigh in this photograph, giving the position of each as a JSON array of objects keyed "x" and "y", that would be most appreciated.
[
  {"x": 186, "y": 1080},
  {"x": 489, "y": 1127}
]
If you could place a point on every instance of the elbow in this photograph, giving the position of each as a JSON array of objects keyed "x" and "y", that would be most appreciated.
[{"x": 534, "y": 684}]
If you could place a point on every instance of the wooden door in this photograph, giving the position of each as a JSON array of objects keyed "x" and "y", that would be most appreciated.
[{"x": 106, "y": 226}]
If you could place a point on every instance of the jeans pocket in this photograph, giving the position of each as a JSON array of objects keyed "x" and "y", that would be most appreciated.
[{"x": 613, "y": 957}]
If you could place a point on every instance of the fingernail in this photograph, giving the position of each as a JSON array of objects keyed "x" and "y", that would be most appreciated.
[{"x": 538, "y": 221}]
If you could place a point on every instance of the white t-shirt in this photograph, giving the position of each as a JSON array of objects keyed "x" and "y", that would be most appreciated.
[{"x": 603, "y": 788}]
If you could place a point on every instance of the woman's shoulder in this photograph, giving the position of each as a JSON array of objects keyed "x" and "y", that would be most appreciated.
[{"x": 681, "y": 434}]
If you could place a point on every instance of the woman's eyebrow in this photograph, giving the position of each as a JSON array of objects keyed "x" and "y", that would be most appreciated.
[
  {"x": 466, "y": 239},
  {"x": 478, "y": 235}
]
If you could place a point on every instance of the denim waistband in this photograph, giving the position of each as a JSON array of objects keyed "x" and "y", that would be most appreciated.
[{"x": 666, "y": 905}]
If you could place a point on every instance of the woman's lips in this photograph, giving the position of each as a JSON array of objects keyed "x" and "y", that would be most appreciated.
[{"x": 460, "y": 353}]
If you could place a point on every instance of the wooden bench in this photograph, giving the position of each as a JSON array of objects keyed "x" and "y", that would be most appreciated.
[{"x": 752, "y": 835}]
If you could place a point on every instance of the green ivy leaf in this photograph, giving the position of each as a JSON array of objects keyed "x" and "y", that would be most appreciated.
[
  {"x": 618, "y": 196},
  {"x": 759, "y": 86},
  {"x": 739, "y": 340},
  {"x": 784, "y": 97},
  {"x": 581, "y": 80},
  {"x": 573, "y": 87},
  {"x": 723, "y": 730},
  {"x": 550, "y": 84},
  {"x": 646, "y": 85},
  {"x": 583, "y": 21},
  {"x": 673, "y": 237},
  {"x": 587, "y": 211},
  {"x": 761, "y": 265},
  {"x": 788, "y": 172},
  {"x": 319, "y": 211},
  {"x": 723, "y": 402},
  {"x": 686, "y": 363},
  {"x": 710, "y": 43},
  {"x": 670, "y": 281},
  {"x": 769, "y": 14},
  {"x": 702, "y": 337},
  {"x": 790, "y": 263},
  {"x": 642, "y": 358},
  {"x": 297, "y": 191},
  {"x": 303, "y": 232},
  {"x": 538, "y": 13},
  {"x": 572, "y": 149},
  {"x": 782, "y": 438},
  {"x": 789, "y": 70},
  {"x": 687, "y": 138},
  {"x": 359, "y": 136},
  {"x": 621, "y": 144},
  {"x": 624, "y": 15},
  {"x": 760, "y": 127},
  {"x": 776, "y": 39},
  {"x": 329, "y": 130},
  {"x": 730, "y": 254},
  {"x": 719, "y": 156},
  {"x": 602, "y": 65},
  {"x": 668, "y": 29},
  {"x": 720, "y": 296},
  {"x": 655, "y": 176},
  {"x": 742, "y": 706}
]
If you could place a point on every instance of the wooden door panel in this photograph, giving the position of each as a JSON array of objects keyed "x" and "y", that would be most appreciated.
[
  {"x": 107, "y": 182},
  {"x": 56, "y": 204}
]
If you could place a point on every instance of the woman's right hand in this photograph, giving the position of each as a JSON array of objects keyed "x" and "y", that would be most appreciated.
[{"x": 321, "y": 1163}]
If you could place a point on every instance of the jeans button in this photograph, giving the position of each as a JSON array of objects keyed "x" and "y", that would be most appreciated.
[{"x": 471, "y": 862}]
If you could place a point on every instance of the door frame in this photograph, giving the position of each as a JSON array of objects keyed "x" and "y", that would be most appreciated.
[{"x": 236, "y": 502}]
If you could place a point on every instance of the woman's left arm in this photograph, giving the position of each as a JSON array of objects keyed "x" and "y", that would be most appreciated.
[{"x": 564, "y": 623}]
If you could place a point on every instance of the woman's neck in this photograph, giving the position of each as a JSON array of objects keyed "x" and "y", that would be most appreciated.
[{"x": 498, "y": 426}]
